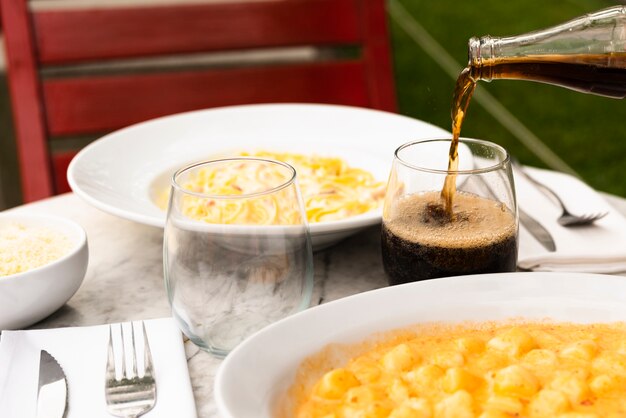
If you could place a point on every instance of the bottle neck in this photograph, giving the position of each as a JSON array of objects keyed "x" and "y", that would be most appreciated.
[
  {"x": 481, "y": 52},
  {"x": 597, "y": 38},
  {"x": 586, "y": 54}
]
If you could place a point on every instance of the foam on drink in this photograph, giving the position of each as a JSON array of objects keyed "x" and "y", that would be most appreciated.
[{"x": 421, "y": 241}]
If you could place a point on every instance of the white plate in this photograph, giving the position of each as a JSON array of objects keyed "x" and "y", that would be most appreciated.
[
  {"x": 122, "y": 172},
  {"x": 256, "y": 374}
]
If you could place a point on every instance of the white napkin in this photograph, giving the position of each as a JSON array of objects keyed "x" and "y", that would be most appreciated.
[
  {"x": 597, "y": 248},
  {"x": 82, "y": 353}
]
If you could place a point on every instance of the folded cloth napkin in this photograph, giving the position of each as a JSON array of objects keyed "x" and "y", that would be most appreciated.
[
  {"x": 596, "y": 248},
  {"x": 82, "y": 353}
]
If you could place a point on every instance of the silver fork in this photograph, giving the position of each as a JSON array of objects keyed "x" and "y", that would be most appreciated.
[
  {"x": 132, "y": 395},
  {"x": 566, "y": 218}
]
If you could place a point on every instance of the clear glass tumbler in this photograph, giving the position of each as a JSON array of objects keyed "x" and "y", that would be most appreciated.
[
  {"x": 237, "y": 251},
  {"x": 425, "y": 237}
]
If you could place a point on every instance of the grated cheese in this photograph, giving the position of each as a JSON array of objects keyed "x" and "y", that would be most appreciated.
[{"x": 24, "y": 248}]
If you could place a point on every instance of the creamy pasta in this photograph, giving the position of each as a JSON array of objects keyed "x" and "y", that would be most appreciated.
[{"x": 330, "y": 188}]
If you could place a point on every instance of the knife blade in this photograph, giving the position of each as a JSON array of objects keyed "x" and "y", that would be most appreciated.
[
  {"x": 537, "y": 230},
  {"x": 52, "y": 392}
]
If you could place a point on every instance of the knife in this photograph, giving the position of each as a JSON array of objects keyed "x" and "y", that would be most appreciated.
[
  {"x": 52, "y": 392},
  {"x": 537, "y": 230}
]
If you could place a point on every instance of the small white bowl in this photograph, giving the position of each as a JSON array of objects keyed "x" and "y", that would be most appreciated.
[{"x": 32, "y": 295}]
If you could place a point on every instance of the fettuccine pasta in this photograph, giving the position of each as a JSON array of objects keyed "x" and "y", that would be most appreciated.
[
  {"x": 244, "y": 178},
  {"x": 330, "y": 188}
]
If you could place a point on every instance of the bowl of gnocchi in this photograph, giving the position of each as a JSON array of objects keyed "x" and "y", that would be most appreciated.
[{"x": 530, "y": 344}]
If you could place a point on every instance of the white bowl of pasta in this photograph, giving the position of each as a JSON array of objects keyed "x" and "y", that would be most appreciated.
[
  {"x": 321, "y": 354},
  {"x": 132, "y": 184}
]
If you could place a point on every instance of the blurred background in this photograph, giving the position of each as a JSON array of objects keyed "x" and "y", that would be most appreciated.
[{"x": 542, "y": 125}]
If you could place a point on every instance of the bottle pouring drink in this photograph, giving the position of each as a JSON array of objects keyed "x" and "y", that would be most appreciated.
[{"x": 586, "y": 54}]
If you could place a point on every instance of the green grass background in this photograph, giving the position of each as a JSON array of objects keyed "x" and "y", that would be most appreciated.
[{"x": 588, "y": 132}]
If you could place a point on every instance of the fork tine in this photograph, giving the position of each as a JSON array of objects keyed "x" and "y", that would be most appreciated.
[
  {"x": 582, "y": 220},
  {"x": 131, "y": 395},
  {"x": 124, "y": 369},
  {"x": 111, "y": 372},
  {"x": 147, "y": 354},
  {"x": 591, "y": 217},
  {"x": 134, "y": 357}
]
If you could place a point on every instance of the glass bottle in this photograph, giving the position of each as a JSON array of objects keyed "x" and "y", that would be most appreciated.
[{"x": 586, "y": 54}]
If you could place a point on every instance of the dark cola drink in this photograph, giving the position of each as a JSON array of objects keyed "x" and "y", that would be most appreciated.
[
  {"x": 421, "y": 241},
  {"x": 600, "y": 74}
]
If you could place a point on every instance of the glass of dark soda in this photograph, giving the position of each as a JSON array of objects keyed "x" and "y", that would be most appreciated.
[{"x": 439, "y": 222}]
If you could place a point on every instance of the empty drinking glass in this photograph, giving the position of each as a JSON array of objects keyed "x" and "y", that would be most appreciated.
[{"x": 237, "y": 250}]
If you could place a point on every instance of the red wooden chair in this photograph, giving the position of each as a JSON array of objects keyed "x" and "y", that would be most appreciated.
[{"x": 49, "y": 107}]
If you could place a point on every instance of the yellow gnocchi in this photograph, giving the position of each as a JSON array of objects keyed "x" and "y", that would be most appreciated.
[{"x": 482, "y": 370}]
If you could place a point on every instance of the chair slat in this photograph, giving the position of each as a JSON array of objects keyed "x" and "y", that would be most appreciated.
[
  {"x": 60, "y": 162},
  {"x": 88, "y": 34},
  {"x": 81, "y": 105},
  {"x": 27, "y": 107},
  {"x": 376, "y": 56}
]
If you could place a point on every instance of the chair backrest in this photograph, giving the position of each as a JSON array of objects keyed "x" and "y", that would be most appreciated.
[{"x": 59, "y": 88}]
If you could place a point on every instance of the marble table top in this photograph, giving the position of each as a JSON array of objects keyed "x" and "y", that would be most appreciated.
[{"x": 124, "y": 280}]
